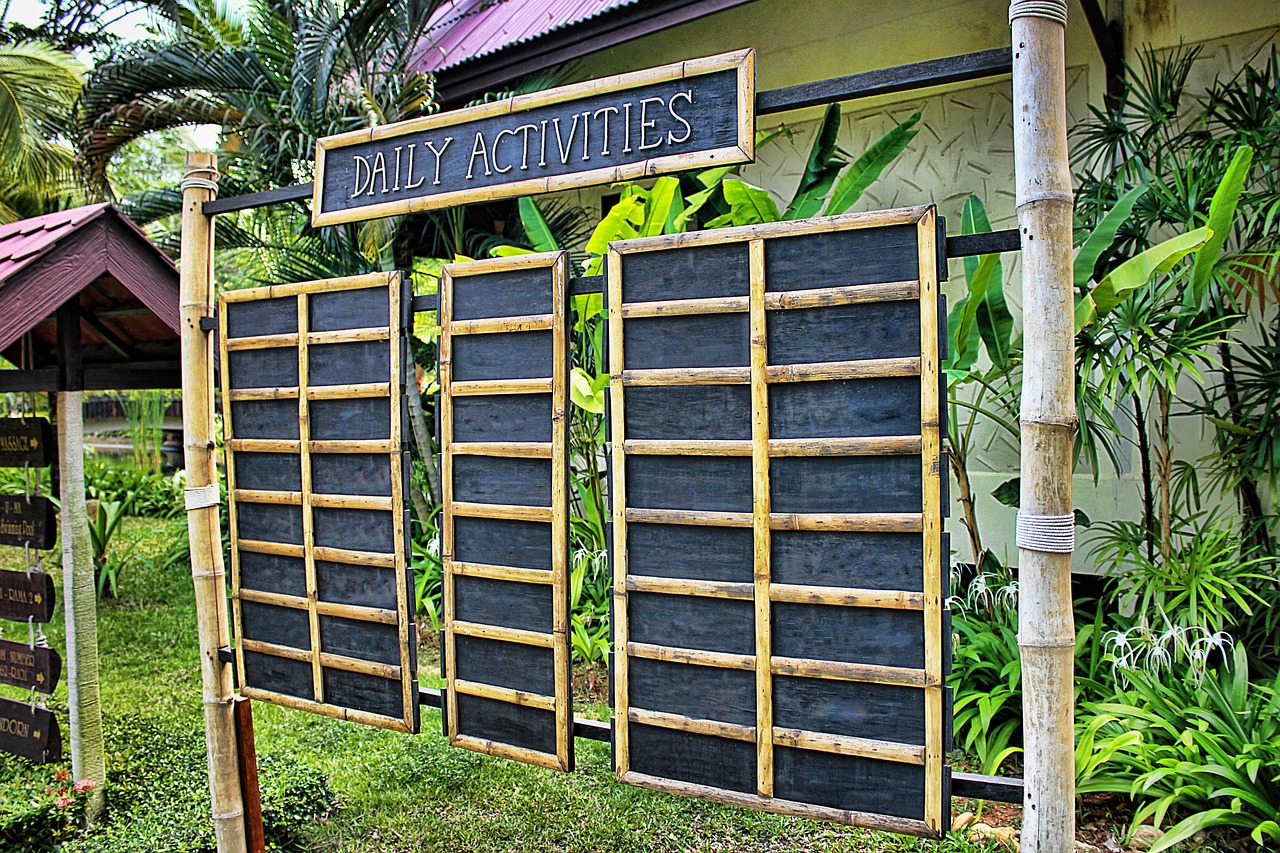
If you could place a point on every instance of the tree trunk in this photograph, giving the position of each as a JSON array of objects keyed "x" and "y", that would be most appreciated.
[
  {"x": 1148, "y": 496},
  {"x": 88, "y": 760},
  {"x": 1046, "y": 630},
  {"x": 1247, "y": 489},
  {"x": 1164, "y": 469},
  {"x": 422, "y": 439},
  {"x": 960, "y": 466}
]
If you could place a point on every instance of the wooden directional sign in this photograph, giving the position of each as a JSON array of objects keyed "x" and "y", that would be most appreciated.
[
  {"x": 314, "y": 408},
  {"x": 504, "y": 415},
  {"x": 661, "y": 120},
  {"x": 27, "y": 521},
  {"x": 36, "y": 667},
  {"x": 25, "y": 441},
  {"x": 26, "y": 596},
  {"x": 30, "y": 732},
  {"x": 778, "y": 557}
]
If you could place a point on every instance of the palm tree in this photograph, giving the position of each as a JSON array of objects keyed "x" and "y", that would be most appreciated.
[{"x": 38, "y": 88}]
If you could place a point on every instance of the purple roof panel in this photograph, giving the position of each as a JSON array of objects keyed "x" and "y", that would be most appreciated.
[
  {"x": 462, "y": 30},
  {"x": 22, "y": 241}
]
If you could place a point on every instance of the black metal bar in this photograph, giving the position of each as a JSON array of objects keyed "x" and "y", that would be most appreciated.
[
  {"x": 430, "y": 302},
  {"x": 965, "y": 245},
  {"x": 209, "y": 324},
  {"x": 998, "y": 789},
  {"x": 296, "y": 192},
  {"x": 226, "y": 654},
  {"x": 883, "y": 81}
]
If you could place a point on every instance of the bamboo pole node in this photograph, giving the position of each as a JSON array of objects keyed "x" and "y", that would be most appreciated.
[
  {"x": 1054, "y": 10},
  {"x": 1048, "y": 534},
  {"x": 202, "y": 497}
]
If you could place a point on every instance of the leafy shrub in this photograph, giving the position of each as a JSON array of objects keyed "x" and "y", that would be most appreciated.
[
  {"x": 158, "y": 794},
  {"x": 40, "y": 807},
  {"x": 141, "y": 492}
]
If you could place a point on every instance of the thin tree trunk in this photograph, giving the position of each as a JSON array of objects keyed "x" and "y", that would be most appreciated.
[
  {"x": 422, "y": 438},
  {"x": 1046, "y": 630},
  {"x": 1164, "y": 469},
  {"x": 1247, "y": 488},
  {"x": 88, "y": 760},
  {"x": 959, "y": 465},
  {"x": 1148, "y": 496}
]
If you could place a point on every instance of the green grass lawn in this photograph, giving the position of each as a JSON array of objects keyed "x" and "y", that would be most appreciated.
[{"x": 398, "y": 792}]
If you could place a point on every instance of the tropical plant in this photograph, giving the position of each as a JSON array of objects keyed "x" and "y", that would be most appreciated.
[{"x": 38, "y": 87}]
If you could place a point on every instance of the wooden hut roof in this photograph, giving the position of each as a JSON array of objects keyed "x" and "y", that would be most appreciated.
[{"x": 95, "y": 264}]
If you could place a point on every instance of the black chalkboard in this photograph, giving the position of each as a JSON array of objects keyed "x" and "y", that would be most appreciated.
[
  {"x": 314, "y": 418},
  {"x": 777, "y": 549},
  {"x": 504, "y": 533}
]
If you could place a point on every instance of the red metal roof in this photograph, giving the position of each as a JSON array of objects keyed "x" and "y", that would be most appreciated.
[{"x": 462, "y": 30}]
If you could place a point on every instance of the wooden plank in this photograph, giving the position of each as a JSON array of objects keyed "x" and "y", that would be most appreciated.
[
  {"x": 690, "y": 724},
  {"x": 844, "y": 745},
  {"x": 872, "y": 368},
  {"x": 501, "y": 386},
  {"x": 687, "y": 376},
  {"x": 697, "y": 588},
  {"x": 851, "y": 672},
  {"x": 697, "y": 657},
  {"x": 491, "y": 325},
  {"x": 844, "y": 597},
  {"x": 30, "y": 732},
  {"x": 761, "y": 503},
  {"x": 505, "y": 694}
]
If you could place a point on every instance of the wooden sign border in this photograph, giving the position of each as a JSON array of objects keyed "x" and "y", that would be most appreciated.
[
  {"x": 761, "y": 520},
  {"x": 395, "y": 284},
  {"x": 744, "y": 152}
]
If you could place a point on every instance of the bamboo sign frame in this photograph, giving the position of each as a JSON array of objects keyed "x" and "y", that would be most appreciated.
[
  {"x": 504, "y": 408},
  {"x": 686, "y": 115},
  {"x": 313, "y": 407},
  {"x": 780, "y": 416}
]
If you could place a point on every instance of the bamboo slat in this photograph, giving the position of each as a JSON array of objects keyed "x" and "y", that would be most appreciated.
[
  {"x": 838, "y": 671},
  {"x": 261, "y": 342},
  {"x": 505, "y": 694},
  {"x": 561, "y": 409},
  {"x": 623, "y": 648},
  {"x": 509, "y": 449},
  {"x": 663, "y": 376},
  {"x": 845, "y": 745},
  {"x": 261, "y": 496},
  {"x": 870, "y": 368},
  {"x": 328, "y": 285},
  {"x": 699, "y": 657},
  {"x": 359, "y": 613},
  {"x": 350, "y": 714},
  {"x": 686, "y": 516},
  {"x": 363, "y": 390},
  {"x": 276, "y": 650},
  {"x": 238, "y": 395},
  {"x": 516, "y": 513},
  {"x": 697, "y": 588},
  {"x": 366, "y": 445},
  {"x": 507, "y": 751},
  {"x": 329, "y": 660},
  {"x": 760, "y": 511},
  {"x": 359, "y": 558},
  {"x": 865, "y": 522},
  {"x": 506, "y": 635},
  {"x": 503, "y": 573},
  {"x": 493, "y": 325},
  {"x": 373, "y": 502},
  {"x": 344, "y": 336},
  {"x": 486, "y": 387},
  {"x": 892, "y": 445},
  {"x": 828, "y": 297},
  {"x": 444, "y": 362},
  {"x": 686, "y": 447},
  {"x": 398, "y": 293},
  {"x": 685, "y": 307},
  {"x": 278, "y": 549},
  {"x": 259, "y": 445},
  {"x": 715, "y": 728},
  {"x": 308, "y": 518},
  {"x": 844, "y": 597}
]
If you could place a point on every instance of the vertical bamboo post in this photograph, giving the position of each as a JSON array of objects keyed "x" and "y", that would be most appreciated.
[
  {"x": 1046, "y": 635},
  {"x": 195, "y": 302}
]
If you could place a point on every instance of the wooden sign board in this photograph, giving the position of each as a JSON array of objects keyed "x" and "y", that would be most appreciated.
[
  {"x": 682, "y": 116},
  {"x": 777, "y": 524},
  {"x": 313, "y": 411},
  {"x": 27, "y": 521},
  {"x": 504, "y": 417},
  {"x": 25, "y": 442},
  {"x": 29, "y": 732},
  {"x": 26, "y": 596},
  {"x": 36, "y": 667}
]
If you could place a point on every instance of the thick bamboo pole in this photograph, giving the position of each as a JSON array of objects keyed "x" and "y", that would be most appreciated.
[
  {"x": 1046, "y": 629},
  {"x": 196, "y": 301}
]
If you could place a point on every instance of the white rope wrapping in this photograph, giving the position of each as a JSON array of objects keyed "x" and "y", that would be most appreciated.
[
  {"x": 202, "y": 497},
  {"x": 1049, "y": 534},
  {"x": 191, "y": 181},
  {"x": 1054, "y": 10}
]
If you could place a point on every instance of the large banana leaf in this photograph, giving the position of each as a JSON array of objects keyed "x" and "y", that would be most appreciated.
[
  {"x": 1222, "y": 210},
  {"x": 748, "y": 204},
  {"x": 536, "y": 227},
  {"x": 822, "y": 169},
  {"x": 995, "y": 323},
  {"x": 1101, "y": 238},
  {"x": 868, "y": 167},
  {"x": 1137, "y": 272}
]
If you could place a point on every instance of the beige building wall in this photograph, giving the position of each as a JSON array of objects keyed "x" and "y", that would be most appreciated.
[{"x": 965, "y": 145}]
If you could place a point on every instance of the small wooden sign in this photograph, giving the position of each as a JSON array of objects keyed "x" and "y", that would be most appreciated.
[
  {"x": 681, "y": 116},
  {"x": 26, "y": 596},
  {"x": 25, "y": 441},
  {"x": 27, "y": 521},
  {"x": 37, "y": 667},
  {"x": 30, "y": 732}
]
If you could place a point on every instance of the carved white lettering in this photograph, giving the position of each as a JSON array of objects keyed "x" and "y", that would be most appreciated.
[
  {"x": 361, "y": 184},
  {"x": 604, "y": 152},
  {"x": 440, "y": 153},
  {"x": 478, "y": 149},
  {"x": 646, "y": 122},
  {"x": 671, "y": 107}
]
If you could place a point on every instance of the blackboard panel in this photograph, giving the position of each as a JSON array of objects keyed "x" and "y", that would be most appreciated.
[
  {"x": 858, "y": 560},
  {"x": 273, "y": 573},
  {"x": 278, "y": 472},
  {"x": 849, "y": 634},
  {"x": 845, "y": 333},
  {"x": 269, "y": 523},
  {"x": 508, "y": 417},
  {"x": 700, "y": 759},
  {"x": 689, "y": 551},
  {"x": 497, "y": 480},
  {"x": 282, "y": 626},
  {"x": 505, "y": 355},
  {"x": 845, "y": 484},
  {"x": 526, "y": 606},
  {"x": 687, "y": 273},
  {"x": 350, "y": 420},
  {"x": 712, "y": 483},
  {"x": 510, "y": 293},
  {"x": 501, "y": 542},
  {"x": 349, "y": 364},
  {"x": 694, "y": 340},
  {"x": 349, "y": 309},
  {"x": 530, "y": 728},
  {"x": 363, "y": 640},
  {"x": 510, "y": 665},
  {"x": 279, "y": 675},
  {"x": 364, "y": 586},
  {"x": 847, "y": 782},
  {"x": 887, "y": 712},
  {"x": 836, "y": 259},
  {"x": 844, "y": 407},
  {"x": 276, "y": 367},
  {"x": 700, "y": 692},
  {"x": 262, "y": 317},
  {"x": 350, "y": 474},
  {"x": 363, "y": 692},
  {"x": 265, "y": 418},
  {"x": 354, "y": 529},
  {"x": 689, "y": 412},
  {"x": 710, "y": 624}
]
